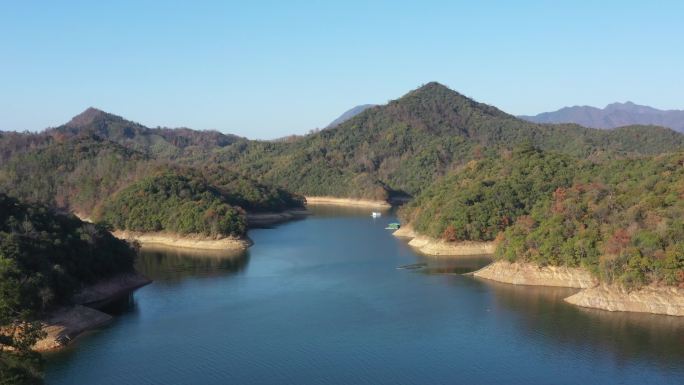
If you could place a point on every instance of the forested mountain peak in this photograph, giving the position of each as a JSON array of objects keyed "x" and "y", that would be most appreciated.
[
  {"x": 90, "y": 116},
  {"x": 399, "y": 148},
  {"x": 162, "y": 141},
  {"x": 436, "y": 96},
  {"x": 432, "y": 108}
]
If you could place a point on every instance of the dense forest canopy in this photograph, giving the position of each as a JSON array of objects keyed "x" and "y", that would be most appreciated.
[
  {"x": 623, "y": 220},
  {"x": 173, "y": 203},
  {"x": 402, "y": 147},
  {"x": 397, "y": 149},
  {"x": 76, "y": 167},
  {"x": 607, "y": 200},
  {"x": 75, "y": 175},
  {"x": 484, "y": 197},
  {"x": 44, "y": 258},
  {"x": 472, "y": 169}
]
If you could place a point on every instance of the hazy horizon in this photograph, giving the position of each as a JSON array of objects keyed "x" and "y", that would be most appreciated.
[{"x": 267, "y": 70}]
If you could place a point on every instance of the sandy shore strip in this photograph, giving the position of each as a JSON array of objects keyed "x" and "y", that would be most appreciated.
[
  {"x": 350, "y": 202},
  {"x": 272, "y": 218},
  {"x": 65, "y": 324},
  {"x": 519, "y": 273},
  {"x": 187, "y": 241},
  {"x": 431, "y": 246},
  {"x": 666, "y": 300},
  {"x": 437, "y": 247}
]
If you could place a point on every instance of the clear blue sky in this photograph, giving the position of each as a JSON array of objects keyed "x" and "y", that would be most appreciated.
[{"x": 264, "y": 69}]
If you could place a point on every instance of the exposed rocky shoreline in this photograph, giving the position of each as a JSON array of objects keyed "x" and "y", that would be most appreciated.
[
  {"x": 432, "y": 246},
  {"x": 326, "y": 200},
  {"x": 652, "y": 299},
  {"x": 649, "y": 299},
  {"x": 518, "y": 273},
  {"x": 188, "y": 241},
  {"x": 65, "y": 324}
]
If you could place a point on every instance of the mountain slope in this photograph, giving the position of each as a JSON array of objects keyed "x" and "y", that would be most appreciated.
[
  {"x": 349, "y": 114},
  {"x": 78, "y": 165},
  {"x": 393, "y": 150},
  {"x": 402, "y": 147},
  {"x": 164, "y": 142},
  {"x": 613, "y": 115}
]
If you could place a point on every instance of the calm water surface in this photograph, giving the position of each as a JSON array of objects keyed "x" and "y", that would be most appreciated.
[{"x": 320, "y": 301}]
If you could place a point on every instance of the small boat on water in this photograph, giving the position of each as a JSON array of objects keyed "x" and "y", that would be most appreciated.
[
  {"x": 393, "y": 226},
  {"x": 376, "y": 214}
]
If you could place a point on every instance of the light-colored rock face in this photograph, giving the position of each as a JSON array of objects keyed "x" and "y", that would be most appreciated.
[
  {"x": 64, "y": 325},
  {"x": 313, "y": 200},
  {"x": 405, "y": 232},
  {"x": 656, "y": 300},
  {"x": 184, "y": 241},
  {"x": 650, "y": 299},
  {"x": 433, "y": 246},
  {"x": 530, "y": 274}
]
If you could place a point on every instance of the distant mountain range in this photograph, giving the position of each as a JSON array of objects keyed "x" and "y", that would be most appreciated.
[
  {"x": 612, "y": 116},
  {"x": 349, "y": 114}
]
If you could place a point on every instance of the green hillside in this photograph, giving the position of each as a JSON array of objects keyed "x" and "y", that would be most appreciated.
[
  {"x": 624, "y": 220},
  {"x": 44, "y": 258},
  {"x": 78, "y": 173},
  {"x": 173, "y": 203},
  {"x": 402, "y": 147},
  {"x": 484, "y": 197}
]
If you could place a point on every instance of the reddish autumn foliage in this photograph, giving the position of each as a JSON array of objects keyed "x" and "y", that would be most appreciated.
[
  {"x": 558, "y": 198},
  {"x": 525, "y": 222},
  {"x": 618, "y": 242},
  {"x": 449, "y": 234}
]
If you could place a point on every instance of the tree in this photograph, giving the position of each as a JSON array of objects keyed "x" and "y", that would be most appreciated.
[{"x": 18, "y": 332}]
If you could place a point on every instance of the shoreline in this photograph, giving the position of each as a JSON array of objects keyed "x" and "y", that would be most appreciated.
[
  {"x": 189, "y": 241},
  {"x": 666, "y": 300},
  {"x": 437, "y": 247},
  {"x": 350, "y": 202},
  {"x": 519, "y": 273},
  {"x": 662, "y": 300},
  {"x": 65, "y": 324}
]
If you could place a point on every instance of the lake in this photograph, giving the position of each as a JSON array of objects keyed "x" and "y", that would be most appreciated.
[{"x": 321, "y": 301}]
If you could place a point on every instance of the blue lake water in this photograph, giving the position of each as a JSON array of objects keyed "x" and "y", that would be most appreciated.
[{"x": 320, "y": 301}]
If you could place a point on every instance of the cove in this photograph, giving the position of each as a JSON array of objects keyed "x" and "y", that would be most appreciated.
[{"x": 320, "y": 301}]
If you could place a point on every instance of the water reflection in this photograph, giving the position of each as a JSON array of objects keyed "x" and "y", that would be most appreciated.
[
  {"x": 453, "y": 265},
  {"x": 328, "y": 211},
  {"x": 627, "y": 336},
  {"x": 322, "y": 303},
  {"x": 173, "y": 264},
  {"x": 123, "y": 305}
]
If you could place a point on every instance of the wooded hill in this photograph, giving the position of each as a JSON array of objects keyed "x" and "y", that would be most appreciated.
[
  {"x": 44, "y": 258},
  {"x": 402, "y": 147},
  {"x": 91, "y": 160},
  {"x": 472, "y": 170},
  {"x": 622, "y": 219}
]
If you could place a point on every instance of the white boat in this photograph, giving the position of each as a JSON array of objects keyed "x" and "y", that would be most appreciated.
[{"x": 376, "y": 214}]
